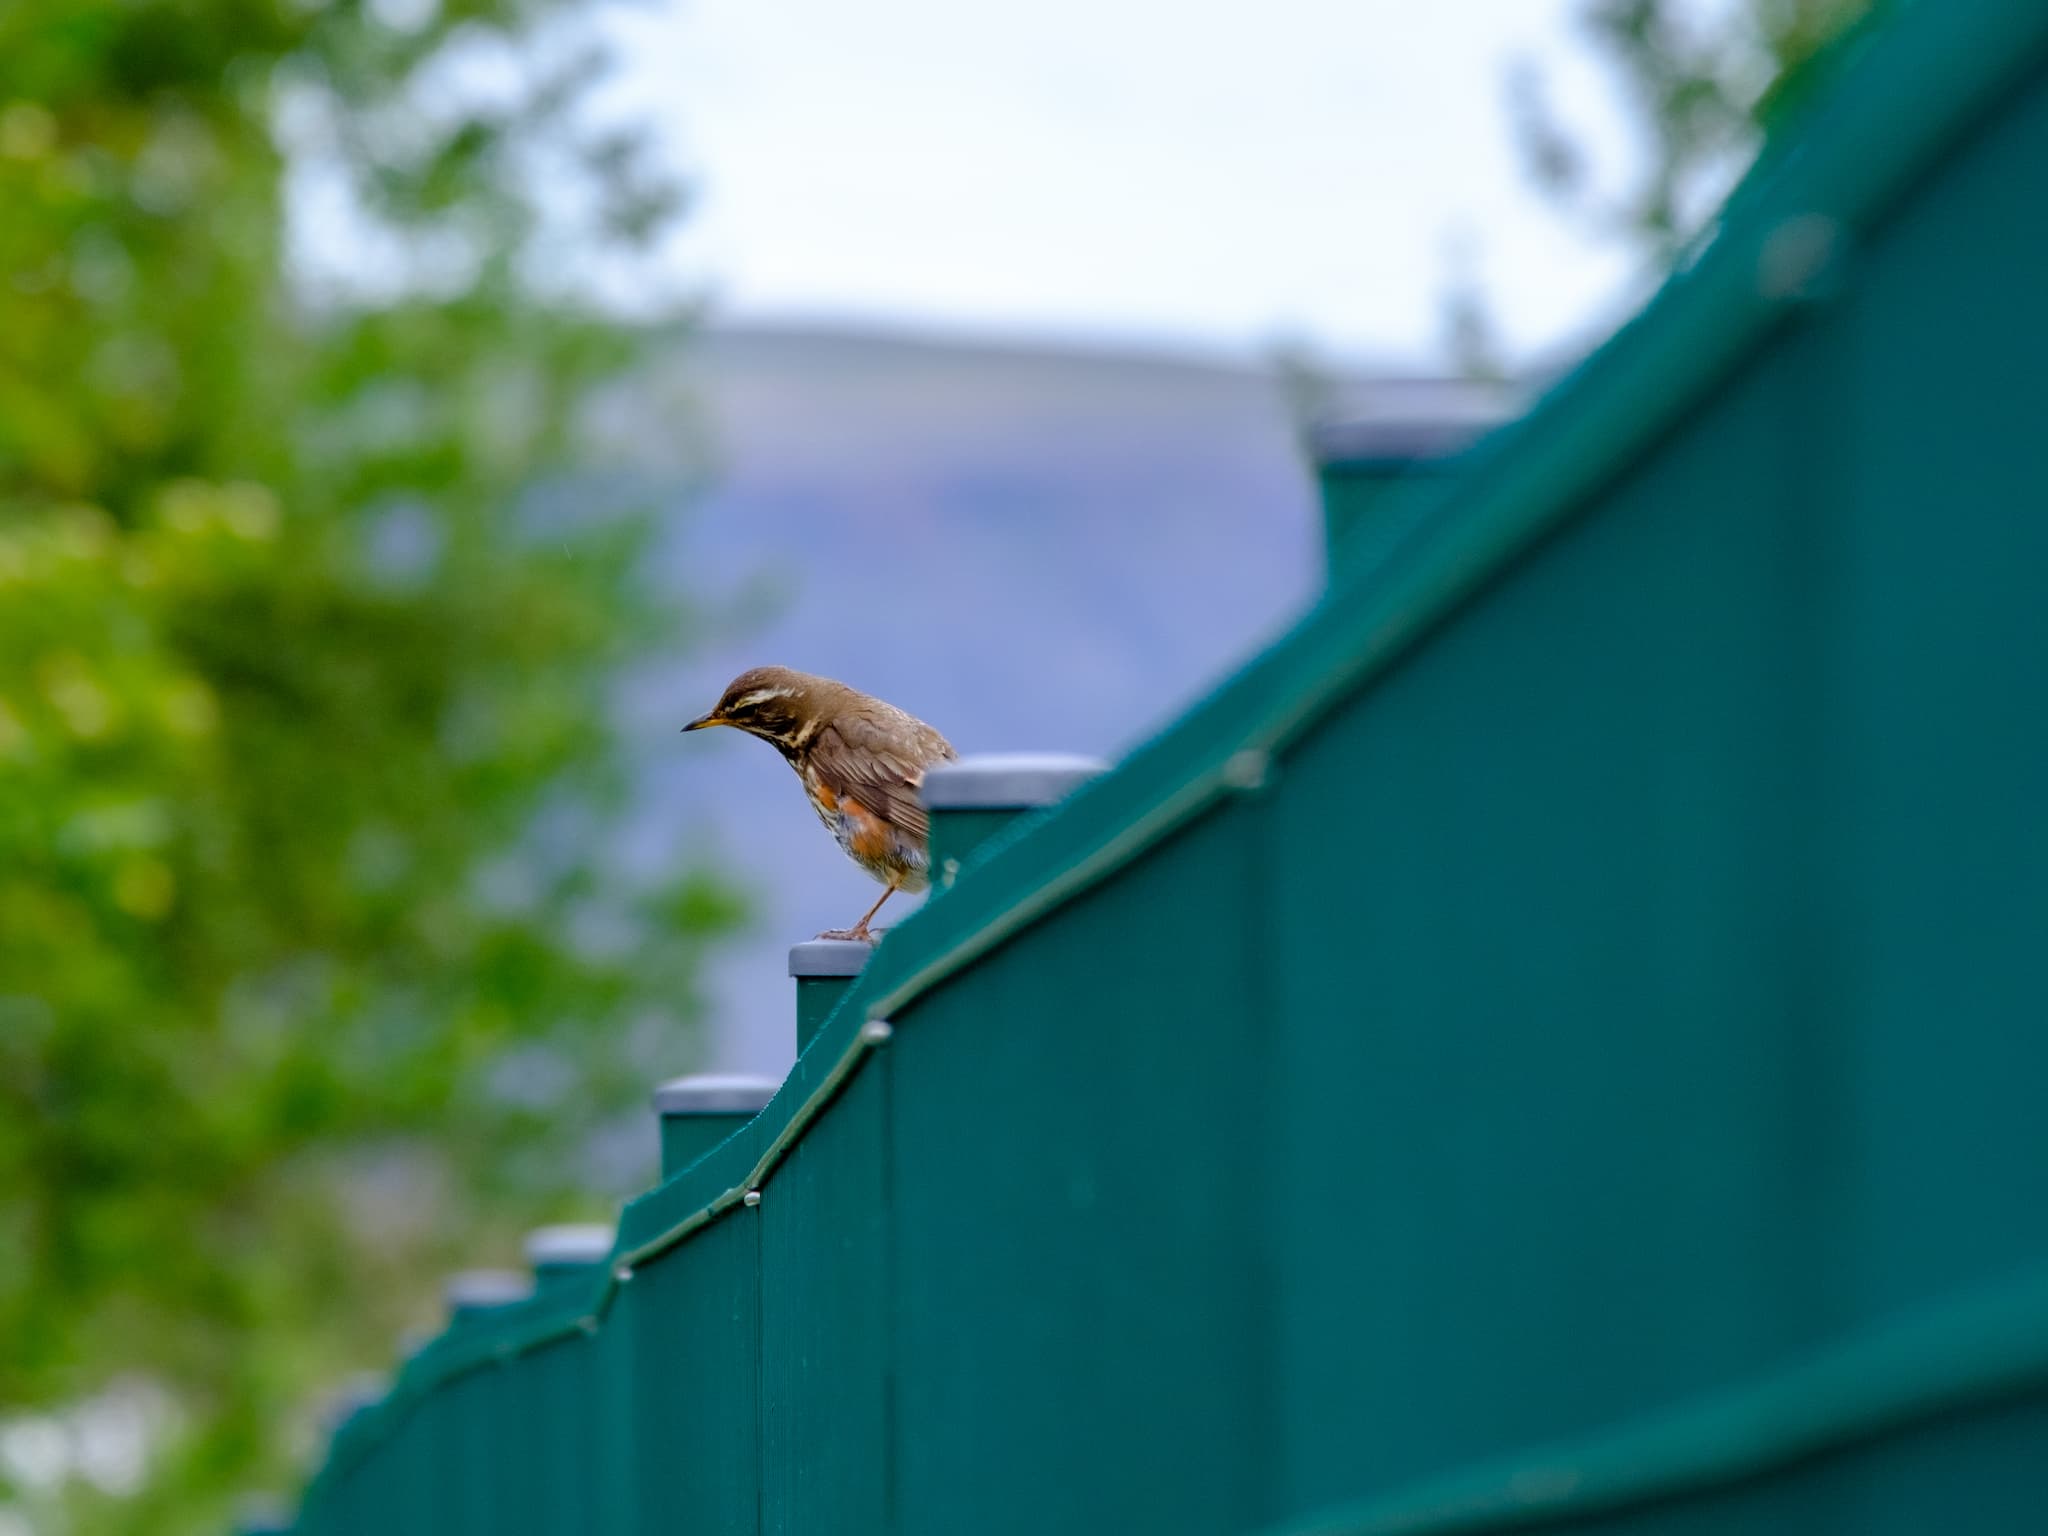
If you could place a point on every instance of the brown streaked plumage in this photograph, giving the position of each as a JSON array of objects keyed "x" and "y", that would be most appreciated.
[{"x": 860, "y": 761}]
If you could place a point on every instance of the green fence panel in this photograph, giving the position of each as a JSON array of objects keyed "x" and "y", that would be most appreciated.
[
  {"x": 474, "y": 1402},
  {"x": 374, "y": 1491},
  {"x": 1975, "y": 1468},
  {"x": 824, "y": 1321},
  {"x": 1550, "y": 1044},
  {"x": 1937, "y": 843},
  {"x": 613, "y": 1407},
  {"x": 412, "y": 1468},
  {"x": 1076, "y": 1289},
  {"x": 437, "y": 1489},
  {"x": 549, "y": 1453},
  {"x": 1618, "y": 830},
  {"x": 1543, "y": 989},
  {"x": 1623, "y": 1004},
  {"x": 552, "y": 1447},
  {"x": 691, "y": 1317},
  {"x": 696, "y": 1331}
]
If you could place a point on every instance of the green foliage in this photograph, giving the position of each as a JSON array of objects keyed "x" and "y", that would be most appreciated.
[
  {"x": 314, "y": 978},
  {"x": 1698, "y": 84}
]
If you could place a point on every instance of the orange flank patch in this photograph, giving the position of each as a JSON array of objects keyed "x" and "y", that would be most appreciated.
[
  {"x": 869, "y": 838},
  {"x": 865, "y": 834}
]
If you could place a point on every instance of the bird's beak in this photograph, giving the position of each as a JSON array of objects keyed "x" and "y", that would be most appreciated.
[{"x": 698, "y": 724}]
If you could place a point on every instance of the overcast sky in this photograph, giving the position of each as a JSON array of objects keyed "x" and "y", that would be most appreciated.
[{"x": 1164, "y": 170}]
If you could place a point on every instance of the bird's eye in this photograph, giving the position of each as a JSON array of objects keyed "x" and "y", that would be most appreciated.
[{"x": 750, "y": 703}]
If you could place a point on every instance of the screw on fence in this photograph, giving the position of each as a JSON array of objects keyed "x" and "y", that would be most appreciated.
[
  {"x": 1248, "y": 769},
  {"x": 1801, "y": 260},
  {"x": 971, "y": 799},
  {"x": 697, "y": 1113}
]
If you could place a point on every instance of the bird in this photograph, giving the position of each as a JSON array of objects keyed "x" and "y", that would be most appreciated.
[{"x": 860, "y": 760}]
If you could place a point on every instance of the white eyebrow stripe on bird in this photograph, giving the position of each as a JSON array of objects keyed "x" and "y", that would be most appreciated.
[{"x": 759, "y": 697}]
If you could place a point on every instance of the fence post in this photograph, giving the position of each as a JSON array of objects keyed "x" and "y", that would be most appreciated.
[
  {"x": 563, "y": 1255},
  {"x": 556, "y": 1392},
  {"x": 972, "y": 799},
  {"x": 1361, "y": 461},
  {"x": 471, "y": 1294},
  {"x": 824, "y": 969},
  {"x": 338, "y": 1414},
  {"x": 474, "y": 1407},
  {"x": 699, "y": 1112}
]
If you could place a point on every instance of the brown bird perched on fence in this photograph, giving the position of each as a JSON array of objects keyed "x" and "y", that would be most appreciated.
[{"x": 860, "y": 761}]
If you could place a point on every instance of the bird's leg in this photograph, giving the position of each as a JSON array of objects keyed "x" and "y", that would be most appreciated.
[{"x": 859, "y": 931}]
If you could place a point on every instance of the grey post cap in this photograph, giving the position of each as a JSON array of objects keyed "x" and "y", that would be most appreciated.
[
  {"x": 828, "y": 957},
  {"x": 474, "y": 1290},
  {"x": 714, "y": 1093},
  {"x": 581, "y": 1243},
  {"x": 262, "y": 1514},
  {"x": 1004, "y": 781},
  {"x": 352, "y": 1397},
  {"x": 1396, "y": 440},
  {"x": 1395, "y": 422}
]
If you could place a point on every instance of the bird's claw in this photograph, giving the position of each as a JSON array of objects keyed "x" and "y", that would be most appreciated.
[{"x": 853, "y": 935}]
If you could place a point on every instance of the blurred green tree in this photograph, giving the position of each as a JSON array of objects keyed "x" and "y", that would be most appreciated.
[
  {"x": 1700, "y": 86},
  {"x": 315, "y": 978}
]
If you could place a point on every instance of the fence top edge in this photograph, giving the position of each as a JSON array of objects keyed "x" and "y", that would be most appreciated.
[{"x": 1855, "y": 152}]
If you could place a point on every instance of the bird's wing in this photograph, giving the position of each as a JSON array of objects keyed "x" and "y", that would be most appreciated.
[{"x": 867, "y": 761}]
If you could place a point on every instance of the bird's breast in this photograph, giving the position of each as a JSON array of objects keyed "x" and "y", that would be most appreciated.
[{"x": 881, "y": 849}]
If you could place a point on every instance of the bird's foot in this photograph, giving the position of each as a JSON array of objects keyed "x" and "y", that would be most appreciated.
[{"x": 860, "y": 935}]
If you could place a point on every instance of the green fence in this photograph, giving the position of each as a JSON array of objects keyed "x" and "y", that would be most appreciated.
[{"x": 1560, "y": 1041}]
